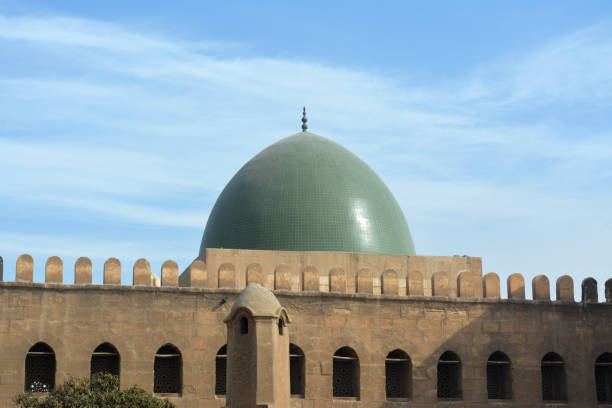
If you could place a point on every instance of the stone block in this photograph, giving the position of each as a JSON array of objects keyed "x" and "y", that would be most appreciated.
[
  {"x": 227, "y": 276},
  {"x": 516, "y": 286},
  {"x": 439, "y": 284},
  {"x": 1, "y": 269},
  {"x": 254, "y": 274},
  {"x": 54, "y": 269},
  {"x": 141, "y": 273},
  {"x": 414, "y": 283},
  {"x": 565, "y": 288},
  {"x": 82, "y": 271},
  {"x": 112, "y": 272},
  {"x": 365, "y": 284},
  {"x": 25, "y": 268},
  {"x": 540, "y": 288},
  {"x": 608, "y": 291},
  {"x": 337, "y": 280},
  {"x": 389, "y": 284},
  {"x": 169, "y": 274},
  {"x": 310, "y": 279},
  {"x": 282, "y": 277},
  {"x": 490, "y": 286}
]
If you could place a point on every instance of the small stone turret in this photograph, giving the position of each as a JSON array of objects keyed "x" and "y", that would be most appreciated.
[{"x": 258, "y": 351}]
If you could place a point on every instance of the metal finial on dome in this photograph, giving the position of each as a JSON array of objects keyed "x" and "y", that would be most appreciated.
[{"x": 304, "y": 120}]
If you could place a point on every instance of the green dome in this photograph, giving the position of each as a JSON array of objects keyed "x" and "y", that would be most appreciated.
[{"x": 307, "y": 193}]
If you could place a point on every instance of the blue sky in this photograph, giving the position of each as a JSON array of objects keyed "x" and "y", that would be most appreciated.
[{"x": 490, "y": 121}]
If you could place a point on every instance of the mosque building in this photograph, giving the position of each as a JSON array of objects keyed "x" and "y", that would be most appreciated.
[{"x": 307, "y": 292}]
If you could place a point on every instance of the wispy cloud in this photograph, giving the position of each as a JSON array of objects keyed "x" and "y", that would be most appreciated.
[{"x": 125, "y": 123}]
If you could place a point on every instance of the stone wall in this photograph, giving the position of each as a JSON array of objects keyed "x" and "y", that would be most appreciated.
[{"x": 138, "y": 320}]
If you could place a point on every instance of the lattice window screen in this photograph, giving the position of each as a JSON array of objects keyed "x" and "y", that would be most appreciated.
[
  {"x": 221, "y": 375},
  {"x": 553, "y": 382},
  {"x": 296, "y": 370},
  {"x": 40, "y": 372},
  {"x": 603, "y": 381},
  {"x": 449, "y": 376},
  {"x": 345, "y": 380},
  {"x": 397, "y": 379},
  {"x": 167, "y": 374}
]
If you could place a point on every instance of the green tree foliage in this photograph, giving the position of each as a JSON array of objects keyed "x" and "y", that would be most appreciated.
[{"x": 101, "y": 392}]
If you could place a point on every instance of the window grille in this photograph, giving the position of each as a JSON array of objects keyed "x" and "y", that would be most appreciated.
[
  {"x": 346, "y": 373},
  {"x": 296, "y": 370},
  {"x": 105, "y": 359},
  {"x": 168, "y": 368},
  {"x": 221, "y": 371},
  {"x": 603, "y": 378},
  {"x": 449, "y": 376},
  {"x": 553, "y": 378},
  {"x": 40, "y": 369},
  {"x": 398, "y": 374},
  {"x": 499, "y": 380}
]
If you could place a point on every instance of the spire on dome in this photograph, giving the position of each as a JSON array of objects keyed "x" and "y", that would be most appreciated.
[{"x": 304, "y": 120}]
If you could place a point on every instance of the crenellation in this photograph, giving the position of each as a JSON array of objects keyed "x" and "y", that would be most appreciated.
[
  {"x": 439, "y": 284},
  {"x": 516, "y": 286},
  {"x": 25, "y": 268},
  {"x": 540, "y": 288},
  {"x": 112, "y": 272},
  {"x": 282, "y": 277},
  {"x": 54, "y": 268},
  {"x": 1, "y": 269},
  {"x": 227, "y": 275},
  {"x": 82, "y": 271},
  {"x": 565, "y": 289},
  {"x": 255, "y": 274},
  {"x": 465, "y": 284},
  {"x": 310, "y": 279},
  {"x": 365, "y": 283},
  {"x": 169, "y": 274},
  {"x": 389, "y": 282},
  {"x": 589, "y": 291},
  {"x": 337, "y": 280},
  {"x": 414, "y": 284},
  {"x": 195, "y": 276},
  {"x": 491, "y": 286},
  {"x": 141, "y": 273}
]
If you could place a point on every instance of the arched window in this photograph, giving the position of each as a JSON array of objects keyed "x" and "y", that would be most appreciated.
[
  {"x": 105, "y": 359},
  {"x": 603, "y": 378},
  {"x": 40, "y": 368},
  {"x": 280, "y": 327},
  {"x": 221, "y": 371},
  {"x": 499, "y": 377},
  {"x": 168, "y": 370},
  {"x": 244, "y": 325},
  {"x": 346, "y": 373},
  {"x": 554, "y": 386},
  {"x": 398, "y": 373},
  {"x": 296, "y": 370},
  {"x": 449, "y": 376}
]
